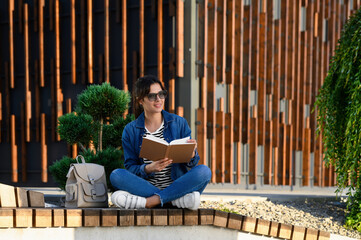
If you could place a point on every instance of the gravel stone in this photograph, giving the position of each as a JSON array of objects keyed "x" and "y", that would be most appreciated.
[{"x": 318, "y": 214}]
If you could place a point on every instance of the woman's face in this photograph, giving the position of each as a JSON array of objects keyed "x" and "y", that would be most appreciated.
[{"x": 155, "y": 106}]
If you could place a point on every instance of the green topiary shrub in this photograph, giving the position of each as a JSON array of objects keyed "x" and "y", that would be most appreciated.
[
  {"x": 99, "y": 120},
  {"x": 339, "y": 116}
]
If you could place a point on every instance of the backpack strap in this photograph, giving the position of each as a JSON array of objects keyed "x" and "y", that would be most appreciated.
[{"x": 81, "y": 157}]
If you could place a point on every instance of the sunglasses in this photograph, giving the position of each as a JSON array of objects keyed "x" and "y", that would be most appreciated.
[{"x": 153, "y": 96}]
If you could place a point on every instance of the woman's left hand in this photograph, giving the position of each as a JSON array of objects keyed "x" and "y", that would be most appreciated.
[{"x": 195, "y": 147}]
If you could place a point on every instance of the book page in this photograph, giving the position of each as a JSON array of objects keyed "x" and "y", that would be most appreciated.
[
  {"x": 156, "y": 139},
  {"x": 180, "y": 141}
]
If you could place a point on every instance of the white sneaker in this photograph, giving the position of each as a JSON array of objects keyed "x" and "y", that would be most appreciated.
[
  {"x": 190, "y": 201},
  {"x": 125, "y": 200}
]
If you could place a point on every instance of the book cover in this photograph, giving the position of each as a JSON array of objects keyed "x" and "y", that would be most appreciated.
[{"x": 154, "y": 149}]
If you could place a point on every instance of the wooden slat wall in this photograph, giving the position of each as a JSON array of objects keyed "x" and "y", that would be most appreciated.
[
  {"x": 59, "y": 40},
  {"x": 281, "y": 50},
  {"x": 259, "y": 74}
]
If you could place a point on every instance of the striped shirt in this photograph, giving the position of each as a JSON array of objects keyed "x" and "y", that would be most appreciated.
[{"x": 163, "y": 178}]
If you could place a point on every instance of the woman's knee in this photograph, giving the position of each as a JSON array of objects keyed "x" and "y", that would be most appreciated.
[
  {"x": 204, "y": 172},
  {"x": 117, "y": 176}
]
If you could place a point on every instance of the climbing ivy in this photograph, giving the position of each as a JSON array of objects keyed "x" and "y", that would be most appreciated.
[{"x": 339, "y": 116}]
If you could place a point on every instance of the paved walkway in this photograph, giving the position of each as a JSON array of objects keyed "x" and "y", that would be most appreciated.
[{"x": 229, "y": 192}]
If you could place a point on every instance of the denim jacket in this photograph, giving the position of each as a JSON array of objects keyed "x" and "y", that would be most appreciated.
[{"x": 175, "y": 127}]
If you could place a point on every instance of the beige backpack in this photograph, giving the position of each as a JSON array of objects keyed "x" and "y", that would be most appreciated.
[{"x": 86, "y": 185}]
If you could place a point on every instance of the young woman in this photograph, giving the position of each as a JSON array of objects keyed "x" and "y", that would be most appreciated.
[{"x": 144, "y": 183}]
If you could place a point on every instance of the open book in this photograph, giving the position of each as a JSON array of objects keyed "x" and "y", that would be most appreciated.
[{"x": 179, "y": 150}]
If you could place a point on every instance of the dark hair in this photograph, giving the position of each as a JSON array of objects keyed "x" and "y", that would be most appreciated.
[{"x": 141, "y": 90}]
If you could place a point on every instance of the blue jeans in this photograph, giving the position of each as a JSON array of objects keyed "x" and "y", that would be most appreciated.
[{"x": 195, "y": 179}]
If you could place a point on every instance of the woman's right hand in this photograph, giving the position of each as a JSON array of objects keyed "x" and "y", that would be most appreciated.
[{"x": 157, "y": 166}]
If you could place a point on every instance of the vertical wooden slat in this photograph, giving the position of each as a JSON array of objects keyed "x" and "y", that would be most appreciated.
[
  {"x": 106, "y": 42},
  {"x": 284, "y": 46},
  {"x": 90, "y": 41},
  {"x": 27, "y": 74},
  {"x": 41, "y": 43},
  {"x": 135, "y": 66},
  {"x": 275, "y": 101},
  {"x": 23, "y": 141},
  {"x": 171, "y": 81},
  {"x": 269, "y": 89},
  {"x": 201, "y": 113},
  {"x": 282, "y": 150},
  {"x": 160, "y": 40},
  {"x": 246, "y": 72},
  {"x": 180, "y": 111},
  {"x": 36, "y": 9},
  {"x": 73, "y": 41},
  {"x": 206, "y": 40},
  {"x": 83, "y": 29},
  {"x": 235, "y": 89},
  {"x": 51, "y": 15},
  {"x": 14, "y": 150},
  {"x": 262, "y": 78},
  {"x": 221, "y": 36},
  {"x": 254, "y": 45},
  {"x": 11, "y": 44},
  {"x": 20, "y": 15},
  {"x": 201, "y": 39},
  {"x": 247, "y": 39},
  {"x": 261, "y": 101},
  {"x": 141, "y": 38},
  {"x": 295, "y": 75},
  {"x": 321, "y": 65},
  {"x": 180, "y": 38},
  {"x": 201, "y": 135},
  {"x": 283, "y": 88},
  {"x": 220, "y": 143},
  {"x": 7, "y": 101},
  {"x": 290, "y": 50},
  {"x": 235, "y": 77},
  {"x": 230, "y": 40},
  {"x": 73, "y": 149},
  {"x": 44, "y": 150},
  {"x": 101, "y": 68},
  {"x": 300, "y": 94},
  {"x": 253, "y": 136},
  {"x": 311, "y": 90},
  {"x": 118, "y": 11},
  {"x": 306, "y": 154},
  {"x": 254, "y": 85},
  {"x": 233, "y": 86},
  {"x": 306, "y": 95},
  {"x": 290, "y": 67},
  {"x": 211, "y": 83},
  {"x": 53, "y": 99},
  {"x": 124, "y": 44},
  {"x": 289, "y": 156},
  {"x": 58, "y": 92},
  {"x": 229, "y": 149}
]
